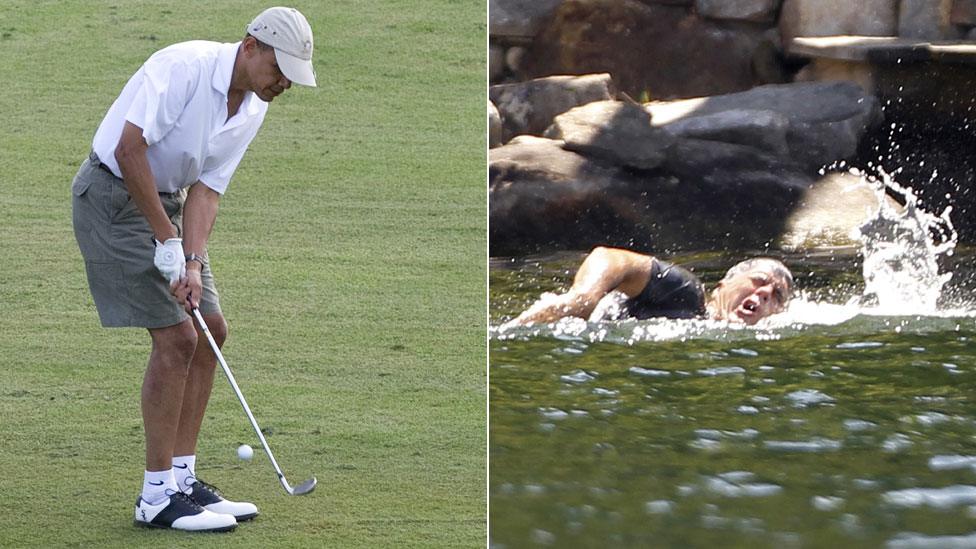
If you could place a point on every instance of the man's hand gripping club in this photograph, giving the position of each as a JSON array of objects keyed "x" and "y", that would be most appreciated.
[
  {"x": 170, "y": 259},
  {"x": 171, "y": 262}
]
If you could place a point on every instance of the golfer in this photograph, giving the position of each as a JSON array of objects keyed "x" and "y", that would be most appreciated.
[
  {"x": 649, "y": 288},
  {"x": 144, "y": 203}
]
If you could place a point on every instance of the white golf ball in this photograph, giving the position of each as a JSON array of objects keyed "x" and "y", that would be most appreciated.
[{"x": 245, "y": 452}]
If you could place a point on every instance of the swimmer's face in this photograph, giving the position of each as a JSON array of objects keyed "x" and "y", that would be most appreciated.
[{"x": 751, "y": 296}]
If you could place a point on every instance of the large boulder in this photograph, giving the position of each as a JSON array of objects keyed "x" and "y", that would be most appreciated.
[
  {"x": 732, "y": 166},
  {"x": 543, "y": 197},
  {"x": 535, "y": 158},
  {"x": 760, "y": 129},
  {"x": 838, "y": 17},
  {"x": 824, "y": 121},
  {"x": 725, "y": 170},
  {"x": 618, "y": 132},
  {"x": 528, "y": 108},
  {"x": 651, "y": 50}
]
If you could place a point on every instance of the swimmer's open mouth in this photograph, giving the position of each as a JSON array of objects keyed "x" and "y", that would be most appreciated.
[{"x": 749, "y": 309}]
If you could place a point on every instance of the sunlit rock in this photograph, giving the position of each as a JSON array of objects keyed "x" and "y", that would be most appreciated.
[
  {"x": 530, "y": 107},
  {"x": 617, "y": 132}
]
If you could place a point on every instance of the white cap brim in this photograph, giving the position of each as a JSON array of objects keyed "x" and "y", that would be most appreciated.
[{"x": 296, "y": 69}]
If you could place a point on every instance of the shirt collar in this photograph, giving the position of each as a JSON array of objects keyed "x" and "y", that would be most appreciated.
[
  {"x": 225, "y": 67},
  {"x": 253, "y": 103},
  {"x": 226, "y": 57}
]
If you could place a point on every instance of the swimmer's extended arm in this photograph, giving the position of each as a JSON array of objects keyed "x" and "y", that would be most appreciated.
[{"x": 603, "y": 270}]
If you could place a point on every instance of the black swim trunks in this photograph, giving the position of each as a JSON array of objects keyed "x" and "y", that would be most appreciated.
[{"x": 671, "y": 292}]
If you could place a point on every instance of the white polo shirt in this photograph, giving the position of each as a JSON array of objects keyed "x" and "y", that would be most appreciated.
[{"x": 179, "y": 99}]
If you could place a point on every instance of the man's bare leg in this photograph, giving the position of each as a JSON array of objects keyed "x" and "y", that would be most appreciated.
[
  {"x": 162, "y": 390},
  {"x": 161, "y": 504},
  {"x": 199, "y": 383}
]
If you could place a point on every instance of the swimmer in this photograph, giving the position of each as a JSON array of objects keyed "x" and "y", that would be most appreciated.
[{"x": 651, "y": 288}]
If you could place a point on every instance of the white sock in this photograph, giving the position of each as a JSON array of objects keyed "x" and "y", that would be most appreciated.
[
  {"x": 184, "y": 468},
  {"x": 155, "y": 484}
]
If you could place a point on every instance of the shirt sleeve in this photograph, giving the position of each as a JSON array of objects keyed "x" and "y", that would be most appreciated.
[
  {"x": 167, "y": 84},
  {"x": 218, "y": 178}
]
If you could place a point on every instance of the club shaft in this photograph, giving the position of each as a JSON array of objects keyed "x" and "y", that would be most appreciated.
[{"x": 240, "y": 396}]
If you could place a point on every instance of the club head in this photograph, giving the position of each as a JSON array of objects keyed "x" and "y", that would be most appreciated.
[{"x": 304, "y": 487}]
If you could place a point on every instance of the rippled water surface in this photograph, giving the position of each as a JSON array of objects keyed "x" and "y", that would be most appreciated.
[{"x": 832, "y": 425}]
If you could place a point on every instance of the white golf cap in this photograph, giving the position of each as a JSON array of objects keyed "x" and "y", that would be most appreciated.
[{"x": 288, "y": 32}]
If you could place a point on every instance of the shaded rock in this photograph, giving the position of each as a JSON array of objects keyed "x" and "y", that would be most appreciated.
[
  {"x": 536, "y": 158},
  {"x": 761, "y": 11},
  {"x": 615, "y": 131},
  {"x": 530, "y": 107},
  {"x": 963, "y": 12},
  {"x": 926, "y": 19},
  {"x": 650, "y": 50},
  {"x": 768, "y": 61},
  {"x": 764, "y": 130},
  {"x": 494, "y": 126},
  {"x": 734, "y": 166},
  {"x": 518, "y": 18},
  {"x": 732, "y": 194},
  {"x": 543, "y": 197},
  {"x": 496, "y": 62},
  {"x": 825, "y": 120},
  {"x": 838, "y": 17}
]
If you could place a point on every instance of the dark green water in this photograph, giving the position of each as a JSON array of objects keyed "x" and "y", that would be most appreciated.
[{"x": 810, "y": 433}]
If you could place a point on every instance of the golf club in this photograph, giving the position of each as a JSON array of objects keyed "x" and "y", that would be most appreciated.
[{"x": 302, "y": 488}]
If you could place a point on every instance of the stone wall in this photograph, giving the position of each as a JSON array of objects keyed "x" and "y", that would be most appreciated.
[{"x": 667, "y": 49}]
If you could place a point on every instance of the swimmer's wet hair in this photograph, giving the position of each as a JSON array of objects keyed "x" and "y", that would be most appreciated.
[{"x": 767, "y": 264}]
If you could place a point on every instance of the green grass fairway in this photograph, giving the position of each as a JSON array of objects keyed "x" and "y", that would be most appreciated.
[{"x": 350, "y": 257}]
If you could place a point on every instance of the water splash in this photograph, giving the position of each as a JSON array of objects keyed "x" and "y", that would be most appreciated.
[{"x": 901, "y": 249}]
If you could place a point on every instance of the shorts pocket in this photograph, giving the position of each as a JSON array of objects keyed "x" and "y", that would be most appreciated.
[{"x": 81, "y": 182}]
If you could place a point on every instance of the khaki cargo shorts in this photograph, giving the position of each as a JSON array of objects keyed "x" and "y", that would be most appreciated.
[{"x": 117, "y": 244}]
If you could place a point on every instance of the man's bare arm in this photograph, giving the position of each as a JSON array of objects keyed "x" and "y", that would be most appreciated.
[
  {"x": 199, "y": 214},
  {"x": 140, "y": 182},
  {"x": 603, "y": 271}
]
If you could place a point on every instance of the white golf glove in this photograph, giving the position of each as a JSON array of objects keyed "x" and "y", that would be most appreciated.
[{"x": 170, "y": 259}]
